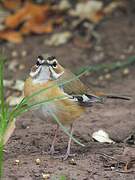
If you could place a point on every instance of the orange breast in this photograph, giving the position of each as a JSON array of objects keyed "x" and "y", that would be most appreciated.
[{"x": 66, "y": 110}]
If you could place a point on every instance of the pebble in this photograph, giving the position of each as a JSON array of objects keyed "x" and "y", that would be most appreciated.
[
  {"x": 45, "y": 176},
  {"x": 14, "y": 53},
  {"x": 108, "y": 76},
  {"x": 126, "y": 71},
  {"x": 38, "y": 161},
  {"x": 21, "y": 67},
  {"x": 101, "y": 78},
  {"x": 72, "y": 162},
  {"x": 17, "y": 161},
  {"x": 24, "y": 53}
]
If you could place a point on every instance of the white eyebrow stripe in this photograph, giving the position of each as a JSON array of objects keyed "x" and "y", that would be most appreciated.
[
  {"x": 40, "y": 61},
  {"x": 52, "y": 61}
]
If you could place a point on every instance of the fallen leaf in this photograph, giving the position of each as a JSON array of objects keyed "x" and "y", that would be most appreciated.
[
  {"x": 19, "y": 85},
  {"x": 91, "y": 10},
  {"x": 11, "y": 36},
  {"x": 8, "y": 83},
  {"x": 102, "y": 136},
  {"x": 29, "y": 11},
  {"x": 112, "y": 6},
  {"x": 12, "y": 4},
  {"x": 64, "y": 5},
  {"x": 59, "y": 38},
  {"x": 34, "y": 27}
]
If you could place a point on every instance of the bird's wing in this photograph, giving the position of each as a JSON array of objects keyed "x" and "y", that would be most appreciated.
[
  {"x": 72, "y": 87},
  {"x": 76, "y": 90}
]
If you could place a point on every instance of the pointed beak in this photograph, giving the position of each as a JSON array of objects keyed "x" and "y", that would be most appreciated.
[{"x": 46, "y": 63}]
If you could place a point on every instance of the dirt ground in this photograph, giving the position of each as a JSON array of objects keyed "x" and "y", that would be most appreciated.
[{"x": 32, "y": 137}]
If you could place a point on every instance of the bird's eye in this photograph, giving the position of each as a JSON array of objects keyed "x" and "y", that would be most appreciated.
[
  {"x": 54, "y": 64},
  {"x": 38, "y": 63}
]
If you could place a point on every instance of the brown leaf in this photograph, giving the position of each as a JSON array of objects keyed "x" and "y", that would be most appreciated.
[
  {"x": 12, "y": 4},
  {"x": 12, "y": 36},
  {"x": 98, "y": 16},
  {"x": 34, "y": 27},
  {"x": 30, "y": 11}
]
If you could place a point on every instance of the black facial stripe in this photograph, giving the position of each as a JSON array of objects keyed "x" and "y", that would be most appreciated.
[
  {"x": 38, "y": 63},
  {"x": 40, "y": 60},
  {"x": 54, "y": 64}
]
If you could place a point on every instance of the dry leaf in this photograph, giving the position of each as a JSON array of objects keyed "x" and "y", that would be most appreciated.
[
  {"x": 30, "y": 11},
  {"x": 12, "y": 4},
  {"x": 19, "y": 85},
  {"x": 64, "y": 5},
  {"x": 34, "y": 27},
  {"x": 8, "y": 83},
  {"x": 89, "y": 10},
  {"x": 59, "y": 38},
  {"x": 102, "y": 136},
  {"x": 11, "y": 36},
  {"x": 112, "y": 6}
]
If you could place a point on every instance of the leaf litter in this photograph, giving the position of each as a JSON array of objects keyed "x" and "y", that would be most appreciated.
[{"x": 30, "y": 17}]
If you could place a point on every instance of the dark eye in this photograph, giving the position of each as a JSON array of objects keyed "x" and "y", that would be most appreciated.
[
  {"x": 38, "y": 63},
  {"x": 54, "y": 64}
]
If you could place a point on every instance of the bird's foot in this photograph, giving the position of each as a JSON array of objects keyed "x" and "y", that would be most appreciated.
[
  {"x": 67, "y": 155},
  {"x": 52, "y": 151}
]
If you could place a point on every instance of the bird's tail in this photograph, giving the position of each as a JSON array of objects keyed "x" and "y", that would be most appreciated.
[{"x": 114, "y": 96}]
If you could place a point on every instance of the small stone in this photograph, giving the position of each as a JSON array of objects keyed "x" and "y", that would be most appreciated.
[
  {"x": 14, "y": 54},
  {"x": 13, "y": 65},
  {"x": 45, "y": 176},
  {"x": 108, "y": 76},
  {"x": 38, "y": 161},
  {"x": 106, "y": 70},
  {"x": 101, "y": 78},
  {"x": 64, "y": 5},
  {"x": 21, "y": 67},
  {"x": 17, "y": 161},
  {"x": 126, "y": 71},
  {"x": 72, "y": 162},
  {"x": 24, "y": 53},
  {"x": 122, "y": 56}
]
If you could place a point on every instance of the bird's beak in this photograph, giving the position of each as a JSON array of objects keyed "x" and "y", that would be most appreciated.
[{"x": 46, "y": 63}]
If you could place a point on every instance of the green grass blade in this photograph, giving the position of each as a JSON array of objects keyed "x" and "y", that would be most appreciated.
[
  {"x": 2, "y": 114},
  {"x": 65, "y": 129}
]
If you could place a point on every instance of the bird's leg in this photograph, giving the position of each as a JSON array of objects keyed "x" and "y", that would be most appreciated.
[
  {"x": 69, "y": 146},
  {"x": 52, "y": 150}
]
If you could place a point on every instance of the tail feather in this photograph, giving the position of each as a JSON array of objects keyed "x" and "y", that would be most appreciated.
[
  {"x": 113, "y": 96},
  {"x": 118, "y": 97}
]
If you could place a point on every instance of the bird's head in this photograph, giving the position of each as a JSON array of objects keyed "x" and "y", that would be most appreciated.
[{"x": 46, "y": 69}]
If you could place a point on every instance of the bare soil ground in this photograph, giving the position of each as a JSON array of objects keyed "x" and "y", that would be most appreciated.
[{"x": 115, "y": 117}]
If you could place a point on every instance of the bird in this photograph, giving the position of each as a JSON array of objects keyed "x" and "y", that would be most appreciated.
[{"x": 47, "y": 73}]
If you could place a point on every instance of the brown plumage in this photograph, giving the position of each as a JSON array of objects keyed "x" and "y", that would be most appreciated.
[{"x": 48, "y": 72}]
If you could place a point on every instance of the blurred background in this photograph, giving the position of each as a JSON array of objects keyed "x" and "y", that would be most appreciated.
[{"x": 80, "y": 33}]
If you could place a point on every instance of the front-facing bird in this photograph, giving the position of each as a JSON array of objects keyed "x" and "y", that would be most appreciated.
[{"x": 74, "y": 97}]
